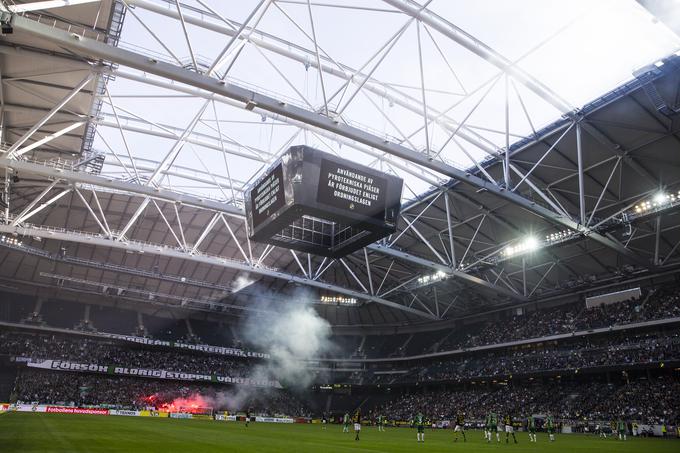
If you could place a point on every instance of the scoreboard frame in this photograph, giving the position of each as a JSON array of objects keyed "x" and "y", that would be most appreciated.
[{"x": 316, "y": 202}]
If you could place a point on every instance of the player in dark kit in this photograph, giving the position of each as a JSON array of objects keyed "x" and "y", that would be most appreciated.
[
  {"x": 247, "y": 418},
  {"x": 357, "y": 424},
  {"x": 509, "y": 429},
  {"x": 460, "y": 426}
]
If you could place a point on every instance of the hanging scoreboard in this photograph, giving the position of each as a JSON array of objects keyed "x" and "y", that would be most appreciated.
[{"x": 319, "y": 203}]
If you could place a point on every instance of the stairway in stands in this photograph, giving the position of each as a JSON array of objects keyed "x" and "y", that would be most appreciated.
[{"x": 8, "y": 375}]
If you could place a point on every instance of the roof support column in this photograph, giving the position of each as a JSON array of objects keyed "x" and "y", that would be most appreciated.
[{"x": 581, "y": 188}]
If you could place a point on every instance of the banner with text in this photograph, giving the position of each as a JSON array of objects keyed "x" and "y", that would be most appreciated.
[
  {"x": 61, "y": 365},
  {"x": 76, "y": 410},
  {"x": 235, "y": 352}
]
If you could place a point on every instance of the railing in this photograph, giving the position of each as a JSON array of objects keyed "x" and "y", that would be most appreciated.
[
  {"x": 80, "y": 30},
  {"x": 115, "y": 236}
]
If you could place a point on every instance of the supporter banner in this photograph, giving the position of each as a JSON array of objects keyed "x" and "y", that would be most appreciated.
[
  {"x": 4, "y": 407},
  {"x": 76, "y": 410},
  {"x": 153, "y": 414},
  {"x": 29, "y": 408},
  {"x": 236, "y": 352},
  {"x": 233, "y": 418},
  {"x": 125, "y": 413},
  {"x": 61, "y": 365},
  {"x": 188, "y": 415},
  {"x": 273, "y": 420},
  {"x": 225, "y": 418}
]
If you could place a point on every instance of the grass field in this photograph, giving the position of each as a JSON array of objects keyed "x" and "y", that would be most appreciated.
[{"x": 29, "y": 432}]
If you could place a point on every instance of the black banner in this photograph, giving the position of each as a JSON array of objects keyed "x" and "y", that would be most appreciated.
[
  {"x": 351, "y": 189},
  {"x": 268, "y": 196}
]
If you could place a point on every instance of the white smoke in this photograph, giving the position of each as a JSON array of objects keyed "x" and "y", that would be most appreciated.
[
  {"x": 291, "y": 337},
  {"x": 241, "y": 282},
  {"x": 292, "y": 333}
]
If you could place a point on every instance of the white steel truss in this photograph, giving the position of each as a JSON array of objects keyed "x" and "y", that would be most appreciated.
[{"x": 438, "y": 233}]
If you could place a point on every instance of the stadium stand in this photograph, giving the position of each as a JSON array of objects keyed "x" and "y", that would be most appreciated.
[
  {"x": 140, "y": 393},
  {"x": 645, "y": 400},
  {"x": 528, "y": 354},
  {"x": 116, "y": 320}
]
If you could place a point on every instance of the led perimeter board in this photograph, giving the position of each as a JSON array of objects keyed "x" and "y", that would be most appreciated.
[{"x": 316, "y": 202}]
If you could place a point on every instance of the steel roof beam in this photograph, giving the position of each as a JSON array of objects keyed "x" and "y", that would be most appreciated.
[
  {"x": 284, "y": 48},
  {"x": 162, "y": 250},
  {"x": 248, "y": 97},
  {"x": 115, "y": 184},
  {"x": 477, "y": 47},
  {"x": 407, "y": 167},
  {"x": 446, "y": 269},
  {"x": 234, "y": 211}
]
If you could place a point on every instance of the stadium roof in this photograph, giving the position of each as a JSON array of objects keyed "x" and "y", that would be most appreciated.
[{"x": 130, "y": 129}]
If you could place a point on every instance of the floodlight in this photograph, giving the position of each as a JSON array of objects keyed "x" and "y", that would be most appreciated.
[
  {"x": 660, "y": 198},
  {"x": 531, "y": 243}
]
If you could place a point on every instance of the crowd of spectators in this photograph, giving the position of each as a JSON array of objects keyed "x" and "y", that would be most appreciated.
[
  {"x": 78, "y": 389},
  {"x": 663, "y": 303},
  {"x": 101, "y": 352},
  {"x": 650, "y": 401},
  {"x": 660, "y": 303},
  {"x": 572, "y": 355}
]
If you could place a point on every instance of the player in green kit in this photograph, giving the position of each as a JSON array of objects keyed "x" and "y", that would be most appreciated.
[
  {"x": 531, "y": 427},
  {"x": 419, "y": 421},
  {"x": 381, "y": 423},
  {"x": 509, "y": 429},
  {"x": 345, "y": 423},
  {"x": 550, "y": 427},
  {"x": 621, "y": 427},
  {"x": 460, "y": 426},
  {"x": 493, "y": 427},
  {"x": 487, "y": 429}
]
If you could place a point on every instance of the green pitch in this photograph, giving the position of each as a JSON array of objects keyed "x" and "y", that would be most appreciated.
[{"x": 28, "y": 432}]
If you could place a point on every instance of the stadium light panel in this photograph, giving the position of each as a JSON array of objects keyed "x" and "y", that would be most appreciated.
[
  {"x": 526, "y": 245},
  {"x": 432, "y": 278},
  {"x": 532, "y": 243},
  {"x": 660, "y": 198}
]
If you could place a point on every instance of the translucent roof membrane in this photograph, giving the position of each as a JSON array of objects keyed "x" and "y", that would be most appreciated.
[{"x": 382, "y": 70}]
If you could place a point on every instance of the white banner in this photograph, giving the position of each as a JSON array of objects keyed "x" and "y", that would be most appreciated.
[
  {"x": 29, "y": 408},
  {"x": 273, "y": 420},
  {"x": 125, "y": 413},
  {"x": 61, "y": 365},
  {"x": 236, "y": 352}
]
